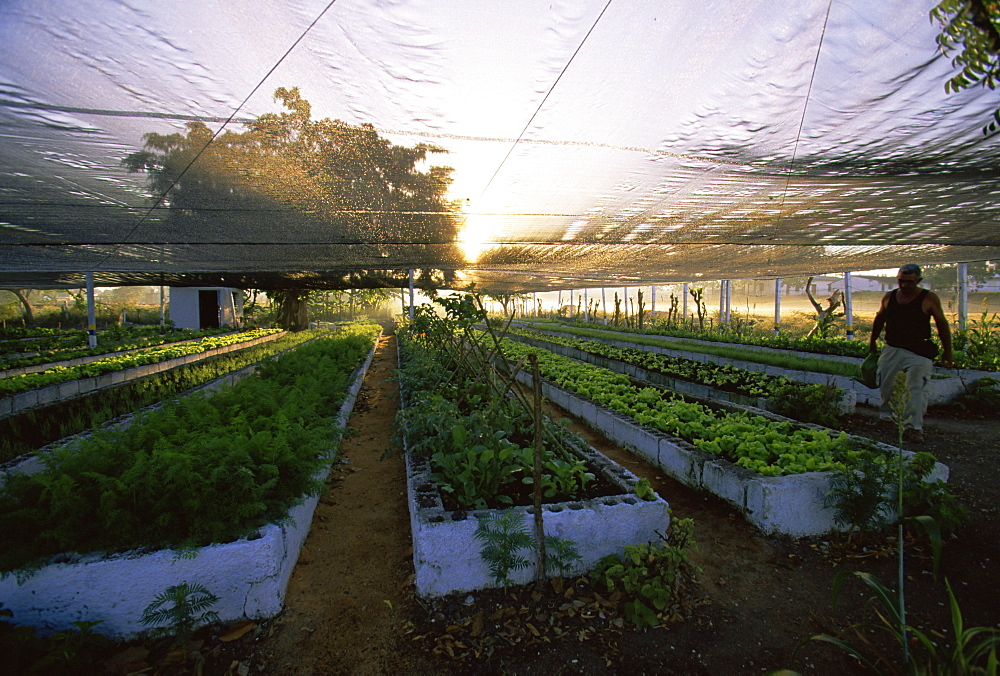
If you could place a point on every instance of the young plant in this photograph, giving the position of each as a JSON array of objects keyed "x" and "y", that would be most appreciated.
[
  {"x": 973, "y": 650},
  {"x": 649, "y": 575},
  {"x": 503, "y": 537},
  {"x": 560, "y": 555},
  {"x": 181, "y": 608}
]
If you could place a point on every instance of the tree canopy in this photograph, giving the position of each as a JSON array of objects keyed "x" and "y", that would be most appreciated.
[
  {"x": 322, "y": 181},
  {"x": 970, "y": 29}
]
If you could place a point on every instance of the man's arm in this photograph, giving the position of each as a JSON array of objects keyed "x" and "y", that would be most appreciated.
[
  {"x": 933, "y": 307},
  {"x": 877, "y": 325}
]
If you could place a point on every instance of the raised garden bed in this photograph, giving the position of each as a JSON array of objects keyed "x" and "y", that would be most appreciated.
[
  {"x": 844, "y": 405},
  {"x": 787, "y": 505},
  {"x": 474, "y": 442},
  {"x": 944, "y": 387},
  {"x": 249, "y": 575},
  {"x": 70, "y": 389}
]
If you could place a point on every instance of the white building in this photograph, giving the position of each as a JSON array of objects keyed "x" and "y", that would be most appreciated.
[{"x": 205, "y": 307}]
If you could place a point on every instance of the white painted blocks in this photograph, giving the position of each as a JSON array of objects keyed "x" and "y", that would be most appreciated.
[
  {"x": 776, "y": 505},
  {"x": 447, "y": 556},
  {"x": 681, "y": 463},
  {"x": 249, "y": 576}
]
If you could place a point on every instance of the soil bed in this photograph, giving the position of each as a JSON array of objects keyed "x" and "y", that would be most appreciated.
[{"x": 350, "y": 605}]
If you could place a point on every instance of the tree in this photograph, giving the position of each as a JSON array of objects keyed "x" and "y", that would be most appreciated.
[
  {"x": 945, "y": 277},
  {"x": 290, "y": 173},
  {"x": 970, "y": 29},
  {"x": 22, "y": 296}
]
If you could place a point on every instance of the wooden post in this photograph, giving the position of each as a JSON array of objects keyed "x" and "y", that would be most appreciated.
[{"x": 536, "y": 470}]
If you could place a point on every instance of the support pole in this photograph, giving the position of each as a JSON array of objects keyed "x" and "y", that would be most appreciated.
[
  {"x": 411, "y": 294},
  {"x": 848, "y": 306},
  {"x": 729, "y": 300},
  {"x": 777, "y": 306},
  {"x": 572, "y": 305},
  {"x": 91, "y": 313},
  {"x": 963, "y": 297},
  {"x": 684, "y": 292},
  {"x": 586, "y": 305},
  {"x": 163, "y": 306},
  {"x": 604, "y": 307}
]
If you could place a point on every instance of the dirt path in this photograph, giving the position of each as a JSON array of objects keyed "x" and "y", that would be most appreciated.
[
  {"x": 350, "y": 606},
  {"x": 351, "y": 591}
]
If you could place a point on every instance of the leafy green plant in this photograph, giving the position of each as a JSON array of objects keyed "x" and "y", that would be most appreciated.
[
  {"x": 70, "y": 651},
  {"x": 972, "y": 650},
  {"x": 859, "y": 494},
  {"x": 58, "y": 374},
  {"x": 649, "y": 575},
  {"x": 560, "y": 556},
  {"x": 196, "y": 471},
  {"x": 36, "y": 428},
  {"x": 503, "y": 538},
  {"x": 179, "y": 610}
]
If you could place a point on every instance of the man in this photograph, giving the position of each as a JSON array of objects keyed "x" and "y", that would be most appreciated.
[{"x": 905, "y": 315}]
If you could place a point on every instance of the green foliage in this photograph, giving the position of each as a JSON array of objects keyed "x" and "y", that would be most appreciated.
[
  {"x": 863, "y": 494},
  {"x": 649, "y": 575},
  {"x": 196, "y": 471},
  {"x": 978, "y": 346},
  {"x": 806, "y": 402},
  {"x": 507, "y": 534},
  {"x": 503, "y": 537},
  {"x": 772, "y": 448},
  {"x": 859, "y": 493},
  {"x": 971, "y": 650},
  {"x": 643, "y": 490},
  {"x": 560, "y": 556},
  {"x": 58, "y": 374},
  {"x": 68, "y": 652},
  {"x": 462, "y": 413},
  {"x": 970, "y": 28},
  {"x": 36, "y": 428},
  {"x": 179, "y": 610}
]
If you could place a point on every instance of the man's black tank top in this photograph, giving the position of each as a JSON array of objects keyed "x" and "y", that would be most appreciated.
[{"x": 908, "y": 327}]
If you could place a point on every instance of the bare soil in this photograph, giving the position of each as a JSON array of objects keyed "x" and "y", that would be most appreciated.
[{"x": 351, "y": 609}]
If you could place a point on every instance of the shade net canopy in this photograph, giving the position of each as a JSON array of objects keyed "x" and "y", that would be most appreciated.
[{"x": 591, "y": 142}]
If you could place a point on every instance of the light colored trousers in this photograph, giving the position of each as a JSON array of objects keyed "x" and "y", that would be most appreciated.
[{"x": 918, "y": 373}]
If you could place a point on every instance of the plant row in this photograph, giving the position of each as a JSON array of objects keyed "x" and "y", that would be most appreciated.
[
  {"x": 59, "y": 374},
  {"x": 471, "y": 424},
  {"x": 757, "y": 443},
  {"x": 35, "y": 428},
  {"x": 809, "y": 402},
  {"x": 977, "y": 348},
  {"x": 786, "y": 360},
  {"x": 199, "y": 470},
  {"x": 114, "y": 340}
]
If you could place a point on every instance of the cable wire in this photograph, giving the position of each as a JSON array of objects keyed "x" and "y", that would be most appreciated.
[{"x": 218, "y": 131}]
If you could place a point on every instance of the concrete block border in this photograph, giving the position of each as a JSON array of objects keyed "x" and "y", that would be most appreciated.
[
  {"x": 43, "y": 396},
  {"x": 789, "y": 505},
  {"x": 446, "y": 554},
  {"x": 250, "y": 576},
  {"x": 943, "y": 387}
]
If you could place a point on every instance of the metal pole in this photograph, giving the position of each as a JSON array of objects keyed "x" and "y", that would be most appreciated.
[
  {"x": 684, "y": 292},
  {"x": 848, "y": 306},
  {"x": 604, "y": 306},
  {"x": 411, "y": 294},
  {"x": 652, "y": 302},
  {"x": 586, "y": 305},
  {"x": 163, "y": 306},
  {"x": 572, "y": 305},
  {"x": 91, "y": 313},
  {"x": 963, "y": 297},
  {"x": 777, "y": 306},
  {"x": 729, "y": 299}
]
